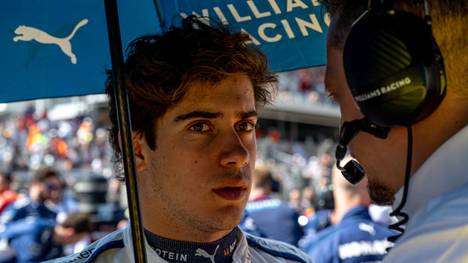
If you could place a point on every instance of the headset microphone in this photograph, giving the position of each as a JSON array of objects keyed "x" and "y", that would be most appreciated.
[{"x": 353, "y": 171}]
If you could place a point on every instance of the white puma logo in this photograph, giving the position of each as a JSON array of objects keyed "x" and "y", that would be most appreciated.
[
  {"x": 367, "y": 228},
  {"x": 203, "y": 253},
  {"x": 27, "y": 33}
]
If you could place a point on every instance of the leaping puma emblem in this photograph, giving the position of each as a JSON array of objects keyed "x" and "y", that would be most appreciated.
[
  {"x": 367, "y": 228},
  {"x": 27, "y": 33},
  {"x": 203, "y": 253}
]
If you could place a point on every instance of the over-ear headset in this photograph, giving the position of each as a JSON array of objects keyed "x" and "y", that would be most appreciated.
[
  {"x": 396, "y": 74},
  {"x": 394, "y": 69}
]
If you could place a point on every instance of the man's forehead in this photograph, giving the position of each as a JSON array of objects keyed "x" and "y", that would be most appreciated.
[
  {"x": 237, "y": 97},
  {"x": 238, "y": 85}
]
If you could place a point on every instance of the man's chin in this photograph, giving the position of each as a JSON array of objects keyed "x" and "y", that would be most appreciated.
[{"x": 380, "y": 194}]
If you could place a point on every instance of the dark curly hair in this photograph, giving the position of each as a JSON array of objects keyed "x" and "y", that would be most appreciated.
[{"x": 160, "y": 68}]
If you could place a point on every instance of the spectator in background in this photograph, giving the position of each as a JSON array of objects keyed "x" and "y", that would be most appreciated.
[
  {"x": 269, "y": 212},
  {"x": 324, "y": 199},
  {"x": 354, "y": 236},
  {"x": 43, "y": 183},
  {"x": 39, "y": 239},
  {"x": 308, "y": 201},
  {"x": 295, "y": 199},
  {"x": 7, "y": 196},
  {"x": 59, "y": 202}
]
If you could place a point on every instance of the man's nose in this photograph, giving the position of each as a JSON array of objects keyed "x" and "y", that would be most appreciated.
[{"x": 234, "y": 151}]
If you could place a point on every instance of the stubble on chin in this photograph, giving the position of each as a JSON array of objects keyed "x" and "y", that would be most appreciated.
[{"x": 380, "y": 194}]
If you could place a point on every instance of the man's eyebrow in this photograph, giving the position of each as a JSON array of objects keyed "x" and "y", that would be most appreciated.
[
  {"x": 198, "y": 114},
  {"x": 248, "y": 114},
  {"x": 211, "y": 115}
]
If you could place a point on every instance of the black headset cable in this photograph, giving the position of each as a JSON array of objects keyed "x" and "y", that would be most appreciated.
[{"x": 402, "y": 216}]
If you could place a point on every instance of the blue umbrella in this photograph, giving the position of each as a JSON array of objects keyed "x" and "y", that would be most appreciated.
[{"x": 56, "y": 48}]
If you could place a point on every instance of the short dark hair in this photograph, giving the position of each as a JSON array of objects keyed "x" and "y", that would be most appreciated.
[
  {"x": 44, "y": 173},
  {"x": 159, "y": 69},
  {"x": 79, "y": 221}
]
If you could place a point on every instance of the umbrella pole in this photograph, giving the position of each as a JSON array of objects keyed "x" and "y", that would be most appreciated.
[
  {"x": 160, "y": 14},
  {"x": 125, "y": 133}
]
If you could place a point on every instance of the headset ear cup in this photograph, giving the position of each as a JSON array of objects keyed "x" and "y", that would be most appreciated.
[
  {"x": 393, "y": 67},
  {"x": 436, "y": 82}
]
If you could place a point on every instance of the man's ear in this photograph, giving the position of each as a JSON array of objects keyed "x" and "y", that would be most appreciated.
[{"x": 138, "y": 140}]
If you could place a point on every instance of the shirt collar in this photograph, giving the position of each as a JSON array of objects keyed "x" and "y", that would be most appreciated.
[
  {"x": 443, "y": 171},
  {"x": 359, "y": 211}
]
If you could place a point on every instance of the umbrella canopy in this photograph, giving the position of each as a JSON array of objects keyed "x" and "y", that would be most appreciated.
[{"x": 56, "y": 48}]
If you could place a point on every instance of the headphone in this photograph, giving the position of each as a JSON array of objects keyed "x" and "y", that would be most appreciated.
[{"x": 395, "y": 72}]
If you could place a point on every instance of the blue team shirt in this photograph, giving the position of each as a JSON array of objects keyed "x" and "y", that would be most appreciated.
[
  {"x": 275, "y": 219},
  {"x": 355, "y": 239},
  {"x": 32, "y": 240},
  {"x": 24, "y": 208},
  {"x": 318, "y": 222}
]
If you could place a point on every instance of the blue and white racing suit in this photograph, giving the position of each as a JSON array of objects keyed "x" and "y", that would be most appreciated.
[{"x": 117, "y": 247}]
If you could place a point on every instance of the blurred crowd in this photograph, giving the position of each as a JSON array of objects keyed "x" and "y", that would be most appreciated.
[
  {"x": 31, "y": 140},
  {"x": 304, "y": 86},
  {"x": 58, "y": 192}
]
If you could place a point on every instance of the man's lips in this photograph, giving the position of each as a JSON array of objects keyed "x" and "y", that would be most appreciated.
[{"x": 230, "y": 193}]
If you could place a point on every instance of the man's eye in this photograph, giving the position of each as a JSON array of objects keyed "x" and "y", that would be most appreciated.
[
  {"x": 245, "y": 127},
  {"x": 200, "y": 127}
]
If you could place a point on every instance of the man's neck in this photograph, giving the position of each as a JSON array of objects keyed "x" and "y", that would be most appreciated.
[
  {"x": 219, "y": 251},
  {"x": 449, "y": 118},
  {"x": 342, "y": 206}
]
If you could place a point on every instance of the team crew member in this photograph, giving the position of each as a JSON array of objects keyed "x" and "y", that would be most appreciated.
[
  {"x": 354, "y": 237},
  {"x": 194, "y": 95},
  {"x": 268, "y": 211},
  {"x": 387, "y": 74},
  {"x": 44, "y": 182},
  {"x": 38, "y": 239}
]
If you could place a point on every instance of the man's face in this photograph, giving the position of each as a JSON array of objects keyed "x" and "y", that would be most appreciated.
[
  {"x": 195, "y": 184},
  {"x": 49, "y": 189},
  {"x": 54, "y": 189},
  {"x": 383, "y": 160}
]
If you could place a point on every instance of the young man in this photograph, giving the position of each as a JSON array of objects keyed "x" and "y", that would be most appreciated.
[
  {"x": 437, "y": 194},
  {"x": 194, "y": 94}
]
